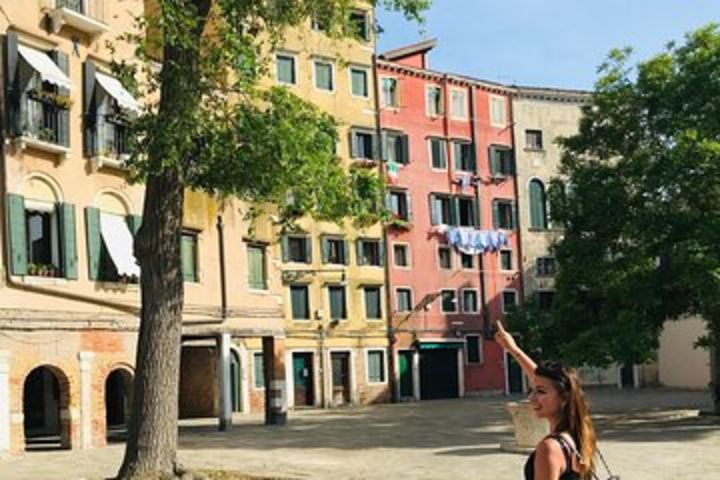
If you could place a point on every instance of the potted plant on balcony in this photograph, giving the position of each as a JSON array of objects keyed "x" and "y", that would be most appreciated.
[
  {"x": 399, "y": 223},
  {"x": 32, "y": 269}
]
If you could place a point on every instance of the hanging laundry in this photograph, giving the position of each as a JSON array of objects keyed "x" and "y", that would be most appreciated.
[{"x": 473, "y": 241}]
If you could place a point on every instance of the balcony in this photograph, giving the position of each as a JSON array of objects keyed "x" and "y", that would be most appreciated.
[
  {"x": 112, "y": 150},
  {"x": 43, "y": 125},
  {"x": 87, "y": 16}
]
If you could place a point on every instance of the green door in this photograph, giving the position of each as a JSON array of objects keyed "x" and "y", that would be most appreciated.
[
  {"x": 303, "y": 379},
  {"x": 406, "y": 374}
]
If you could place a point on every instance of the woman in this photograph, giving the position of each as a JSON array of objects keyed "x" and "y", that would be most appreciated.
[{"x": 568, "y": 453}]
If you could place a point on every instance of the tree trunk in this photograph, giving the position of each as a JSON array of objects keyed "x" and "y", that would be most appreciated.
[{"x": 151, "y": 447}]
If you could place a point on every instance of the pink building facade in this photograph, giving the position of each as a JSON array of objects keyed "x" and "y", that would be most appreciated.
[{"x": 452, "y": 245}]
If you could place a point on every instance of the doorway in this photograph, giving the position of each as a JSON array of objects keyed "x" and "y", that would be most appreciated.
[
  {"x": 45, "y": 396},
  {"x": 303, "y": 379},
  {"x": 340, "y": 362},
  {"x": 405, "y": 370},
  {"x": 118, "y": 398}
]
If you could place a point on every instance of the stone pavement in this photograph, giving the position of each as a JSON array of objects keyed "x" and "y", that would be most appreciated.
[{"x": 645, "y": 435}]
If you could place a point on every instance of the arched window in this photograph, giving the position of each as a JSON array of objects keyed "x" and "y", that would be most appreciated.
[{"x": 538, "y": 206}]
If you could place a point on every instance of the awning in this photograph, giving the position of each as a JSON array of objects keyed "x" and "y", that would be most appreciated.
[
  {"x": 114, "y": 88},
  {"x": 440, "y": 345},
  {"x": 43, "y": 64},
  {"x": 119, "y": 242}
]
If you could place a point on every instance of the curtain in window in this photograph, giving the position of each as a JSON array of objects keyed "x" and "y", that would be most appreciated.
[{"x": 538, "y": 209}]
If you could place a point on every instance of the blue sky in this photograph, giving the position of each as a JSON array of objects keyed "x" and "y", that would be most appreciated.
[{"x": 552, "y": 43}]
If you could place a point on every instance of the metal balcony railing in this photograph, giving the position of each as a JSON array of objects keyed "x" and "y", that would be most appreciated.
[{"x": 41, "y": 120}]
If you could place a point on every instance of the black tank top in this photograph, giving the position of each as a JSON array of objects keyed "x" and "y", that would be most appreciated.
[{"x": 568, "y": 474}]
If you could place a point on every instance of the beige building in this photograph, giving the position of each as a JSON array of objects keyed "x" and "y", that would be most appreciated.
[
  {"x": 69, "y": 297},
  {"x": 333, "y": 277},
  {"x": 680, "y": 364}
]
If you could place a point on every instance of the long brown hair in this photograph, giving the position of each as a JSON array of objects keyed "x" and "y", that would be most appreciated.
[{"x": 575, "y": 416}]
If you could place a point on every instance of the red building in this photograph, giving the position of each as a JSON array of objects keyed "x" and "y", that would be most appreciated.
[{"x": 447, "y": 143}]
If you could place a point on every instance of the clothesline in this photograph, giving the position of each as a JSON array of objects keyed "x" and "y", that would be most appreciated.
[{"x": 473, "y": 241}]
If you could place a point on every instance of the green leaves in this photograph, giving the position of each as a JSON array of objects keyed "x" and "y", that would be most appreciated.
[{"x": 643, "y": 219}]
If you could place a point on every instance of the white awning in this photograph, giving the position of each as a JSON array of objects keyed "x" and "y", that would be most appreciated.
[
  {"x": 119, "y": 242},
  {"x": 114, "y": 88},
  {"x": 44, "y": 65}
]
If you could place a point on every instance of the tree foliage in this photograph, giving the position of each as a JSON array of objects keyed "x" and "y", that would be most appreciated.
[{"x": 639, "y": 194}]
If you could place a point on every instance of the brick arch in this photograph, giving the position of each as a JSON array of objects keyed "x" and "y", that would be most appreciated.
[
  {"x": 100, "y": 384},
  {"x": 65, "y": 388}
]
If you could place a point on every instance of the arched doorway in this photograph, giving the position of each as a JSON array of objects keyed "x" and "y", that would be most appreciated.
[
  {"x": 118, "y": 398},
  {"x": 46, "y": 399}
]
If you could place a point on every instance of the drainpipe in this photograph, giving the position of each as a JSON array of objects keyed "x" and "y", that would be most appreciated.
[
  {"x": 392, "y": 373},
  {"x": 481, "y": 257},
  {"x": 221, "y": 260},
  {"x": 521, "y": 283}
]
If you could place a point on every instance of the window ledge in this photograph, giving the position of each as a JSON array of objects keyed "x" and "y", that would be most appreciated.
[
  {"x": 44, "y": 281},
  {"x": 24, "y": 142},
  {"x": 534, "y": 150},
  {"x": 258, "y": 291},
  {"x": 117, "y": 286},
  {"x": 104, "y": 161},
  {"x": 64, "y": 16}
]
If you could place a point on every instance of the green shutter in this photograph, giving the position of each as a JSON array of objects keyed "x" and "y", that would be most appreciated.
[
  {"x": 381, "y": 252},
  {"x": 384, "y": 146},
  {"x": 259, "y": 370},
  {"x": 346, "y": 252},
  {"x": 94, "y": 241},
  {"x": 134, "y": 222},
  {"x": 476, "y": 213},
  {"x": 513, "y": 217},
  {"x": 372, "y": 303},
  {"x": 12, "y": 95},
  {"x": 457, "y": 155},
  {"x": 325, "y": 249},
  {"x": 359, "y": 82},
  {"x": 403, "y": 147},
  {"x": 337, "y": 302},
  {"x": 188, "y": 247},
  {"x": 308, "y": 249},
  {"x": 434, "y": 213},
  {"x": 473, "y": 158},
  {"x": 494, "y": 161},
  {"x": 454, "y": 210},
  {"x": 68, "y": 240},
  {"x": 285, "y": 247},
  {"x": 359, "y": 252},
  {"x": 18, "y": 234},
  {"x": 256, "y": 267},
  {"x": 299, "y": 302},
  {"x": 89, "y": 114}
]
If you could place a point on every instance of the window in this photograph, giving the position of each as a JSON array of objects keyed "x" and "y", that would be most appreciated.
[
  {"x": 189, "y": 251},
  {"x": 319, "y": 24},
  {"x": 467, "y": 261},
  {"x": 369, "y": 252},
  {"x": 390, "y": 92},
  {"x": 395, "y": 147},
  {"x": 335, "y": 251},
  {"x": 285, "y": 69},
  {"x": 324, "y": 76},
  {"x": 362, "y": 144},
  {"x": 448, "y": 302},
  {"x": 441, "y": 212},
  {"x": 360, "y": 26},
  {"x": 401, "y": 255},
  {"x": 464, "y": 156},
  {"x": 470, "y": 300},
  {"x": 359, "y": 81},
  {"x": 545, "y": 266},
  {"x": 501, "y": 162},
  {"x": 297, "y": 248},
  {"x": 458, "y": 103},
  {"x": 467, "y": 211},
  {"x": 473, "y": 352},
  {"x": 398, "y": 204},
  {"x": 376, "y": 366},
  {"x": 434, "y": 101},
  {"x": 257, "y": 270},
  {"x": 373, "y": 303},
  {"x": 338, "y": 308},
  {"x": 42, "y": 241},
  {"x": 506, "y": 262},
  {"x": 497, "y": 111},
  {"x": 445, "y": 257},
  {"x": 258, "y": 370},
  {"x": 403, "y": 297},
  {"x": 545, "y": 300},
  {"x": 438, "y": 153},
  {"x": 76, "y": 5},
  {"x": 509, "y": 301},
  {"x": 504, "y": 214},
  {"x": 300, "y": 302},
  {"x": 538, "y": 205},
  {"x": 533, "y": 139}
]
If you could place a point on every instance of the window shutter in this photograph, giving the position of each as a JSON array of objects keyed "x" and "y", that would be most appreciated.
[
  {"x": 473, "y": 158},
  {"x": 94, "y": 242},
  {"x": 256, "y": 267},
  {"x": 496, "y": 214},
  {"x": 435, "y": 210},
  {"x": 475, "y": 213},
  {"x": 62, "y": 61},
  {"x": 18, "y": 234},
  {"x": 66, "y": 213},
  {"x": 285, "y": 247},
  {"x": 375, "y": 153},
  {"x": 494, "y": 161},
  {"x": 513, "y": 217},
  {"x": 535, "y": 204},
  {"x": 187, "y": 250},
  {"x": 346, "y": 252},
  {"x": 354, "y": 143},
  {"x": 134, "y": 222},
  {"x": 510, "y": 161},
  {"x": 454, "y": 211},
  {"x": 457, "y": 155},
  {"x": 403, "y": 146},
  {"x": 308, "y": 249},
  {"x": 325, "y": 248},
  {"x": 381, "y": 252},
  {"x": 359, "y": 251},
  {"x": 12, "y": 95},
  {"x": 408, "y": 205},
  {"x": 89, "y": 113},
  {"x": 384, "y": 145}
]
